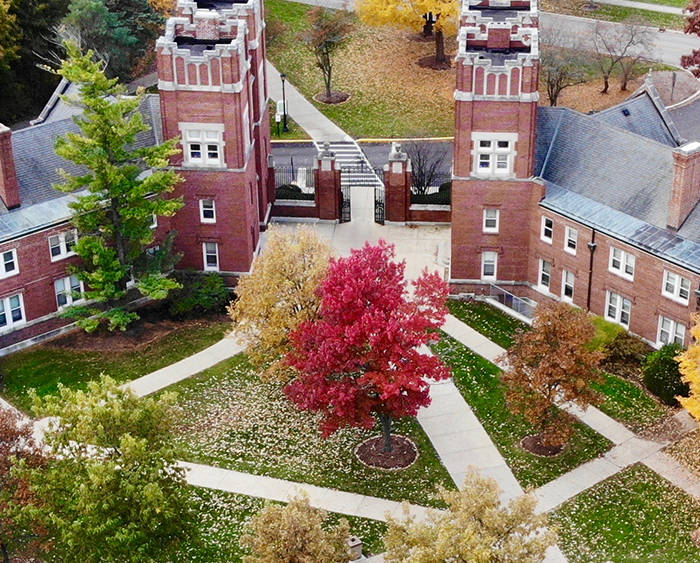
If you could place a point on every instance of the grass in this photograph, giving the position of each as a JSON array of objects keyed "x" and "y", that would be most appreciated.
[
  {"x": 44, "y": 366},
  {"x": 224, "y": 516},
  {"x": 229, "y": 418},
  {"x": 673, "y": 3},
  {"x": 635, "y": 516},
  {"x": 478, "y": 381},
  {"x": 605, "y": 332},
  {"x": 390, "y": 95},
  {"x": 493, "y": 323},
  {"x": 295, "y": 131},
  {"x": 630, "y": 404}
]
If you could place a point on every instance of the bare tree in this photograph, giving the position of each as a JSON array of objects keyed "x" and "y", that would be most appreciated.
[
  {"x": 427, "y": 158},
  {"x": 563, "y": 62},
  {"x": 613, "y": 43}
]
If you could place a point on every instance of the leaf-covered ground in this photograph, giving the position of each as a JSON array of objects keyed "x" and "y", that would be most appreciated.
[
  {"x": 230, "y": 419},
  {"x": 633, "y": 517},
  {"x": 223, "y": 517}
]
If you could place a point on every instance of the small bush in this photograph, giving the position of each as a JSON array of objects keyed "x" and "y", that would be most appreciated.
[
  {"x": 625, "y": 355},
  {"x": 200, "y": 294},
  {"x": 662, "y": 376}
]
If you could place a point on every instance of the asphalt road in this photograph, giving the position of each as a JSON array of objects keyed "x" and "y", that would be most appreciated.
[{"x": 302, "y": 154}]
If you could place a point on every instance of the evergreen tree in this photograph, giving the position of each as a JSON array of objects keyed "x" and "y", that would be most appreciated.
[{"x": 115, "y": 214}]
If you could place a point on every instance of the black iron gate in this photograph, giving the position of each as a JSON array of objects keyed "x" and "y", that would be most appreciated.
[
  {"x": 345, "y": 214},
  {"x": 379, "y": 204}
]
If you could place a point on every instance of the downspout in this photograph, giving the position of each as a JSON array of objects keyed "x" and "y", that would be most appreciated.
[{"x": 591, "y": 246}]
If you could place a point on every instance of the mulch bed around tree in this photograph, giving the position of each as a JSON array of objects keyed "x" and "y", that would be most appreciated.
[
  {"x": 371, "y": 453},
  {"x": 431, "y": 63},
  {"x": 534, "y": 445},
  {"x": 334, "y": 98}
]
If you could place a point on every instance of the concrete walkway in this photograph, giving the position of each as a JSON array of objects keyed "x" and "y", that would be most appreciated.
[
  {"x": 317, "y": 125},
  {"x": 269, "y": 488},
  {"x": 222, "y": 350},
  {"x": 645, "y": 6}
]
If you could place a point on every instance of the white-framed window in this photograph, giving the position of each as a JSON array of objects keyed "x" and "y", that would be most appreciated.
[
  {"x": 618, "y": 309},
  {"x": 11, "y": 311},
  {"x": 670, "y": 332},
  {"x": 571, "y": 240},
  {"x": 69, "y": 290},
  {"x": 544, "y": 279},
  {"x": 547, "y": 233},
  {"x": 491, "y": 220},
  {"x": 61, "y": 245},
  {"x": 8, "y": 263},
  {"x": 567, "y": 286},
  {"x": 207, "y": 211},
  {"x": 489, "y": 265},
  {"x": 211, "y": 256},
  {"x": 493, "y": 153},
  {"x": 203, "y": 144},
  {"x": 676, "y": 287},
  {"x": 622, "y": 263},
  {"x": 154, "y": 221}
]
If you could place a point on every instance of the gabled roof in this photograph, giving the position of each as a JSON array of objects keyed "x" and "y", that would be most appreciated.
[
  {"x": 37, "y": 168},
  {"x": 625, "y": 171},
  {"x": 645, "y": 115}
]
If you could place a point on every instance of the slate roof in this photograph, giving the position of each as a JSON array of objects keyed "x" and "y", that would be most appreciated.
[
  {"x": 641, "y": 115},
  {"x": 627, "y": 172},
  {"x": 687, "y": 119},
  {"x": 37, "y": 165}
]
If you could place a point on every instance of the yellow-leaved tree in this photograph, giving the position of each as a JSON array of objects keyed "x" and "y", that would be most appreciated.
[
  {"x": 689, "y": 366},
  {"x": 431, "y": 17},
  {"x": 295, "y": 534},
  {"x": 475, "y": 527},
  {"x": 279, "y": 294}
]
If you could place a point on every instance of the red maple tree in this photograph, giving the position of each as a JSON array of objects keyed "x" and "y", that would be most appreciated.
[
  {"x": 692, "y": 26},
  {"x": 361, "y": 358}
]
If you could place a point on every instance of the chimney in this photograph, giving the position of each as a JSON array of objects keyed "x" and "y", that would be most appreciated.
[
  {"x": 685, "y": 192},
  {"x": 9, "y": 187}
]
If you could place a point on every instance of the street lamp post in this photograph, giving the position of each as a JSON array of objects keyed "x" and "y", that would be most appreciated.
[{"x": 285, "y": 129}]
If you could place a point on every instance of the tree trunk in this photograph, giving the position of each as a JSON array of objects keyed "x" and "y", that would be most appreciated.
[
  {"x": 606, "y": 84},
  {"x": 385, "y": 419},
  {"x": 429, "y": 23},
  {"x": 440, "y": 47}
]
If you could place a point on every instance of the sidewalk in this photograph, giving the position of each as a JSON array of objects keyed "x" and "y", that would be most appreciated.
[
  {"x": 317, "y": 125},
  {"x": 645, "y": 6}
]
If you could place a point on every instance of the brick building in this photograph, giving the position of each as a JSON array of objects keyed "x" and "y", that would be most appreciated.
[
  {"x": 213, "y": 95},
  {"x": 547, "y": 203}
]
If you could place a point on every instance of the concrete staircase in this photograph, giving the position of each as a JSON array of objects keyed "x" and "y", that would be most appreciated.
[{"x": 350, "y": 158}]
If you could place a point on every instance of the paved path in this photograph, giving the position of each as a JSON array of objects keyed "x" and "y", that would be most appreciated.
[
  {"x": 280, "y": 490},
  {"x": 645, "y": 6},
  {"x": 222, "y": 350},
  {"x": 317, "y": 125}
]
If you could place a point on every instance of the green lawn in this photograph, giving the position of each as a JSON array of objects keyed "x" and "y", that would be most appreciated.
[
  {"x": 674, "y": 3},
  {"x": 624, "y": 400},
  {"x": 630, "y": 404},
  {"x": 230, "y": 419},
  {"x": 223, "y": 517},
  {"x": 44, "y": 366},
  {"x": 478, "y": 381},
  {"x": 295, "y": 132},
  {"x": 633, "y": 517},
  {"x": 493, "y": 323}
]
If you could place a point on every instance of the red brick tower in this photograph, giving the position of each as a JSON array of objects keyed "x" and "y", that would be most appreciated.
[
  {"x": 496, "y": 117},
  {"x": 213, "y": 96}
]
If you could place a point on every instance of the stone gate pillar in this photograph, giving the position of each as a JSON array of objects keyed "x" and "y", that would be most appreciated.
[{"x": 397, "y": 182}]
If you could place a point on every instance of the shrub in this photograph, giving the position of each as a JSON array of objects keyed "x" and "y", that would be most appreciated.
[
  {"x": 625, "y": 355},
  {"x": 662, "y": 376},
  {"x": 200, "y": 294}
]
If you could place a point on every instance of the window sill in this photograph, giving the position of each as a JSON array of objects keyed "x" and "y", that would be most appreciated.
[
  {"x": 546, "y": 240},
  {"x": 684, "y": 302},
  {"x": 6, "y": 276},
  {"x": 570, "y": 251},
  {"x": 63, "y": 256},
  {"x": 620, "y": 275}
]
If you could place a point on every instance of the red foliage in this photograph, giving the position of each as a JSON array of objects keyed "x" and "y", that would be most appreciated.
[
  {"x": 692, "y": 62},
  {"x": 692, "y": 26},
  {"x": 361, "y": 357}
]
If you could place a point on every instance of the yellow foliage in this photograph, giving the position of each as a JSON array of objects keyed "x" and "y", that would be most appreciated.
[
  {"x": 474, "y": 528},
  {"x": 295, "y": 534},
  {"x": 279, "y": 294},
  {"x": 10, "y": 34},
  {"x": 163, "y": 7},
  {"x": 689, "y": 366},
  {"x": 409, "y": 13}
]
